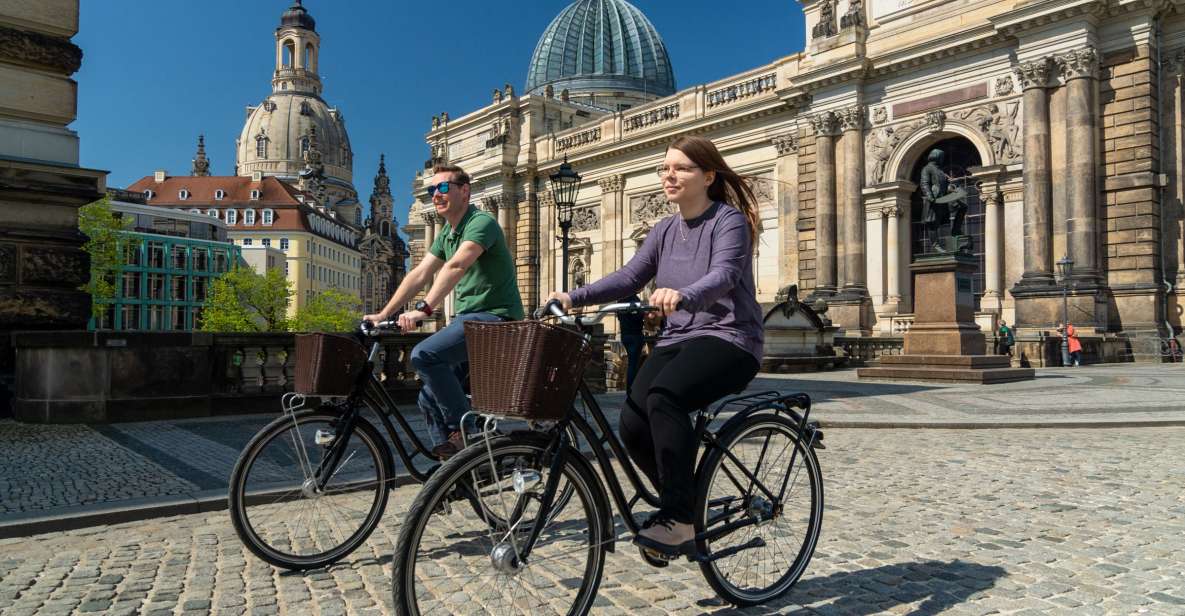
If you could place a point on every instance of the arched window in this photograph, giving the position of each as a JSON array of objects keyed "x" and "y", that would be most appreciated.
[
  {"x": 268, "y": 216},
  {"x": 219, "y": 194},
  {"x": 248, "y": 217},
  {"x": 261, "y": 146},
  {"x": 183, "y": 194},
  {"x": 255, "y": 194},
  {"x": 232, "y": 217},
  {"x": 310, "y": 57},
  {"x": 289, "y": 54},
  {"x": 306, "y": 108},
  {"x": 148, "y": 194},
  {"x": 385, "y": 229}
]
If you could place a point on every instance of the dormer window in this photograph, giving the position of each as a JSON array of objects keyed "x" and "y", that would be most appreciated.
[
  {"x": 268, "y": 217},
  {"x": 255, "y": 194},
  {"x": 232, "y": 217},
  {"x": 194, "y": 210},
  {"x": 148, "y": 194},
  {"x": 248, "y": 217},
  {"x": 219, "y": 194},
  {"x": 212, "y": 213},
  {"x": 183, "y": 194}
]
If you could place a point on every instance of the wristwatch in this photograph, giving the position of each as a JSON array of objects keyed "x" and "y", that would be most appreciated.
[{"x": 423, "y": 307}]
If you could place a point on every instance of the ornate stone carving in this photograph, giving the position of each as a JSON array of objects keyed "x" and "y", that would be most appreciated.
[
  {"x": 508, "y": 92},
  {"x": 852, "y": 118},
  {"x": 1079, "y": 64},
  {"x": 826, "y": 124},
  {"x": 1033, "y": 74},
  {"x": 763, "y": 189},
  {"x": 1001, "y": 128},
  {"x": 936, "y": 120},
  {"x": 786, "y": 143},
  {"x": 491, "y": 203},
  {"x": 891, "y": 211},
  {"x": 7, "y": 264},
  {"x": 879, "y": 148},
  {"x": 1004, "y": 85},
  {"x": 826, "y": 26},
  {"x": 653, "y": 206},
  {"x": 546, "y": 198},
  {"x": 651, "y": 117},
  {"x": 854, "y": 17},
  {"x": 27, "y": 47},
  {"x": 430, "y": 217},
  {"x": 880, "y": 115},
  {"x": 497, "y": 96},
  {"x": 586, "y": 219},
  {"x": 612, "y": 183},
  {"x": 54, "y": 265},
  {"x": 742, "y": 90}
]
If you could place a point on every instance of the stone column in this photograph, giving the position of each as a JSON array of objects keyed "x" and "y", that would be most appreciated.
[
  {"x": 612, "y": 223},
  {"x": 1034, "y": 77},
  {"x": 988, "y": 180},
  {"x": 1079, "y": 68},
  {"x": 892, "y": 256},
  {"x": 826, "y": 127},
  {"x": 786, "y": 171},
  {"x": 852, "y": 121},
  {"x": 430, "y": 225}
]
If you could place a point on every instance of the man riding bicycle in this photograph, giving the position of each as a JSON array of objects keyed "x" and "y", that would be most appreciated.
[{"x": 469, "y": 257}]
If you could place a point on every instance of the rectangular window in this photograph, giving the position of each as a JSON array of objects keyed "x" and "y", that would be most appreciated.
[
  {"x": 267, "y": 241},
  {"x": 156, "y": 317},
  {"x": 130, "y": 316},
  {"x": 179, "y": 257},
  {"x": 232, "y": 216},
  {"x": 156, "y": 255},
  {"x": 200, "y": 259},
  {"x": 248, "y": 217},
  {"x": 177, "y": 316},
  {"x": 308, "y": 270},
  {"x": 197, "y": 317},
  {"x": 199, "y": 288},
  {"x": 131, "y": 285},
  {"x": 267, "y": 217},
  {"x": 156, "y": 286},
  {"x": 132, "y": 253},
  {"x": 247, "y": 241},
  {"x": 284, "y": 244},
  {"x": 178, "y": 285},
  {"x": 220, "y": 261}
]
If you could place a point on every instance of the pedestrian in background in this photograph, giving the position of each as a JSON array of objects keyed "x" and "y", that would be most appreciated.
[
  {"x": 1005, "y": 339},
  {"x": 1074, "y": 345}
]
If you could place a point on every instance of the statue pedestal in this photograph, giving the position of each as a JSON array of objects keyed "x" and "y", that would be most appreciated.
[{"x": 945, "y": 343}]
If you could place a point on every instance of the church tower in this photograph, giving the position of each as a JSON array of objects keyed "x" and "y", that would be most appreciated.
[{"x": 384, "y": 255}]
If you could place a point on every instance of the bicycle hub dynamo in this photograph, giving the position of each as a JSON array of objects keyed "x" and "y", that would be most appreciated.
[{"x": 505, "y": 560}]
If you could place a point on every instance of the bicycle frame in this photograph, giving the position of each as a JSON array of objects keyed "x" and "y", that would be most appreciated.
[{"x": 768, "y": 400}]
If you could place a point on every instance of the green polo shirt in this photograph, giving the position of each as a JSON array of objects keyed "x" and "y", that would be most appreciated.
[{"x": 490, "y": 284}]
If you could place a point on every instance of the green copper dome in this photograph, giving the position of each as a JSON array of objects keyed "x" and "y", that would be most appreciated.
[{"x": 601, "y": 46}]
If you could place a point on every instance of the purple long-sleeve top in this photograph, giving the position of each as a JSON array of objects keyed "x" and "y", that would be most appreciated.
[{"x": 708, "y": 260}]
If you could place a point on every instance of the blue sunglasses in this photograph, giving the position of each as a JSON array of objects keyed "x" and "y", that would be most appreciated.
[{"x": 441, "y": 188}]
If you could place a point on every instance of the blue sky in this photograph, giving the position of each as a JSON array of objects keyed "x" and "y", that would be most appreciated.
[{"x": 156, "y": 73}]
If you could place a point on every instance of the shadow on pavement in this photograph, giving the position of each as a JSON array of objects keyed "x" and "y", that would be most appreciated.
[
  {"x": 938, "y": 585},
  {"x": 820, "y": 389}
]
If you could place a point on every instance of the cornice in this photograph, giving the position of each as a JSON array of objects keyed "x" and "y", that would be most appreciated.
[
  {"x": 832, "y": 73},
  {"x": 1042, "y": 13},
  {"x": 955, "y": 43},
  {"x": 36, "y": 49}
]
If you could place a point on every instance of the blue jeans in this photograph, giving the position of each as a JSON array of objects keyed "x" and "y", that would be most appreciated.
[{"x": 442, "y": 362}]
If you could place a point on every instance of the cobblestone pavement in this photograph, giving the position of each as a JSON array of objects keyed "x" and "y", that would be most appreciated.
[
  {"x": 53, "y": 468},
  {"x": 1010, "y": 521}
]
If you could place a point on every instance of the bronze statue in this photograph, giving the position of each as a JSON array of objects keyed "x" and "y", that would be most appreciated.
[{"x": 942, "y": 206}]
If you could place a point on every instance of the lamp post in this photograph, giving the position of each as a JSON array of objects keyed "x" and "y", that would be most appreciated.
[
  {"x": 565, "y": 184},
  {"x": 1065, "y": 267}
]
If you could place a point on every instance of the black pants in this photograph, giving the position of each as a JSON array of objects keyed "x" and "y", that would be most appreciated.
[
  {"x": 656, "y": 422},
  {"x": 633, "y": 344}
]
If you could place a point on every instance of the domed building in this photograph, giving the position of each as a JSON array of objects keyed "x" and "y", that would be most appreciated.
[
  {"x": 604, "y": 53},
  {"x": 294, "y": 123}
]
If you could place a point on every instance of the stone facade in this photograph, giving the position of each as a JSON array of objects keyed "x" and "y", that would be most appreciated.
[
  {"x": 1068, "y": 118},
  {"x": 41, "y": 184}
]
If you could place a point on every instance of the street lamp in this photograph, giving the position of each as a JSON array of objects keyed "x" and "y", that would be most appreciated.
[
  {"x": 1065, "y": 267},
  {"x": 565, "y": 184}
]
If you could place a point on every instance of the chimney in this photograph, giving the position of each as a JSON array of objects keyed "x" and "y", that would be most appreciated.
[{"x": 159, "y": 175}]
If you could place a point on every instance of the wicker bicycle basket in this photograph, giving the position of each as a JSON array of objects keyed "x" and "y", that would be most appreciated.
[
  {"x": 524, "y": 369},
  {"x": 327, "y": 364}
]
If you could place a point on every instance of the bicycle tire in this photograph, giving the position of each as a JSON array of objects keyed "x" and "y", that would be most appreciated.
[
  {"x": 711, "y": 466},
  {"x": 244, "y": 500},
  {"x": 432, "y": 501}
]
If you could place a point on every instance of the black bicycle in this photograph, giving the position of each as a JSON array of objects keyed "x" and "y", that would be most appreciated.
[
  {"x": 759, "y": 508},
  {"x": 312, "y": 485}
]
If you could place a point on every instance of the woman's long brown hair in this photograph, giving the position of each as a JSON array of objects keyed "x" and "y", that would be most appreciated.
[{"x": 728, "y": 186}]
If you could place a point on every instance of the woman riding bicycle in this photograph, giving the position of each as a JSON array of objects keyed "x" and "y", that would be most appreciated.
[{"x": 702, "y": 262}]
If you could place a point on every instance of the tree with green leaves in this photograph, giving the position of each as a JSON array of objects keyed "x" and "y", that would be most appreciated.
[
  {"x": 328, "y": 311},
  {"x": 242, "y": 301},
  {"x": 104, "y": 230}
]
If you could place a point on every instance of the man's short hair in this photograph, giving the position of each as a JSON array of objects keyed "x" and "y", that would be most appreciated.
[{"x": 459, "y": 175}]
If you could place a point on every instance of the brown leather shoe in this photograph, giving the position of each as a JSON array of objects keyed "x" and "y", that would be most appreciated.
[
  {"x": 449, "y": 448},
  {"x": 665, "y": 535}
]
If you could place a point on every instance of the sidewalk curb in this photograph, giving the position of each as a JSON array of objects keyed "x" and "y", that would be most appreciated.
[{"x": 207, "y": 501}]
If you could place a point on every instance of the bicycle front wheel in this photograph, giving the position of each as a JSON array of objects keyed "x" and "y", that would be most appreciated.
[
  {"x": 448, "y": 561},
  {"x": 275, "y": 505},
  {"x": 766, "y": 557}
]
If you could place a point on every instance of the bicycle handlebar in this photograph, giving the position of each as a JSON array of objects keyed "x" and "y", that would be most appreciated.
[
  {"x": 369, "y": 328},
  {"x": 557, "y": 310}
]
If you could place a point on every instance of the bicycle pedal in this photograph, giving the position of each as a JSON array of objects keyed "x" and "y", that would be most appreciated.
[{"x": 654, "y": 558}]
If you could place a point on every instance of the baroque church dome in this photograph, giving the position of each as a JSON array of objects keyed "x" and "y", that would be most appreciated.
[
  {"x": 293, "y": 119},
  {"x": 602, "y": 47}
]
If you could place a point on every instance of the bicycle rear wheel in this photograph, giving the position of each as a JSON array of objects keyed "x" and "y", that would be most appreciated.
[
  {"x": 769, "y": 556},
  {"x": 448, "y": 561},
  {"x": 275, "y": 507}
]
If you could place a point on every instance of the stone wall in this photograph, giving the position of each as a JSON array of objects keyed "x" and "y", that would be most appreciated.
[{"x": 806, "y": 211}]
